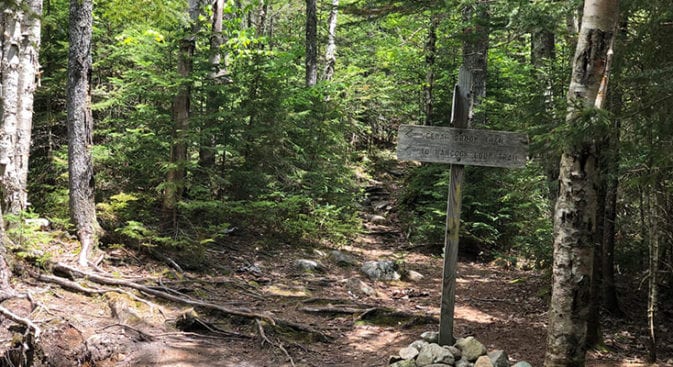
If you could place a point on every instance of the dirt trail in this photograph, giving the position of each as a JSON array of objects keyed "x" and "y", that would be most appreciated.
[{"x": 504, "y": 308}]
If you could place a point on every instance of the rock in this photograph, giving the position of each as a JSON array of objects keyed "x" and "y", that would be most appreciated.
[
  {"x": 408, "y": 353},
  {"x": 381, "y": 270},
  {"x": 455, "y": 351},
  {"x": 419, "y": 344},
  {"x": 463, "y": 363},
  {"x": 434, "y": 354},
  {"x": 522, "y": 364},
  {"x": 377, "y": 219},
  {"x": 42, "y": 224},
  {"x": 308, "y": 265},
  {"x": 430, "y": 336},
  {"x": 405, "y": 363},
  {"x": 471, "y": 348},
  {"x": 413, "y": 276},
  {"x": 359, "y": 288},
  {"x": 499, "y": 358},
  {"x": 483, "y": 361},
  {"x": 342, "y": 259}
]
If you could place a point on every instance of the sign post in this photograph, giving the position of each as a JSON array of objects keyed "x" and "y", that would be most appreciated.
[{"x": 458, "y": 146}]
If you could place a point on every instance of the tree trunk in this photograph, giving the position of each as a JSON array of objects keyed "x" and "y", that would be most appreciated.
[
  {"x": 178, "y": 159},
  {"x": 575, "y": 214},
  {"x": 542, "y": 58},
  {"x": 80, "y": 127},
  {"x": 330, "y": 53},
  {"x": 19, "y": 47},
  {"x": 311, "y": 43},
  {"x": 430, "y": 55},
  {"x": 653, "y": 290},
  {"x": 475, "y": 51},
  {"x": 610, "y": 301},
  {"x": 217, "y": 75}
]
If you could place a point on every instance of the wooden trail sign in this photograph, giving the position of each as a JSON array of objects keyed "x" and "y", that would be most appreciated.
[
  {"x": 458, "y": 146},
  {"x": 462, "y": 146}
]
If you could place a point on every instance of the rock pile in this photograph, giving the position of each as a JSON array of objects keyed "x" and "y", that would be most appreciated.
[{"x": 467, "y": 352}]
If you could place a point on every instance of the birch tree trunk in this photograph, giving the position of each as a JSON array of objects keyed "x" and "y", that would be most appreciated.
[
  {"x": 430, "y": 55},
  {"x": 217, "y": 76},
  {"x": 311, "y": 43},
  {"x": 330, "y": 53},
  {"x": 80, "y": 126},
  {"x": 575, "y": 213},
  {"x": 19, "y": 48},
  {"x": 475, "y": 51}
]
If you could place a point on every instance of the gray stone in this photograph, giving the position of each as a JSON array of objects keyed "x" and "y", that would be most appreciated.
[
  {"x": 381, "y": 270},
  {"x": 471, "y": 348},
  {"x": 499, "y": 358},
  {"x": 434, "y": 354},
  {"x": 308, "y": 265},
  {"x": 455, "y": 351},
  {"x": 378, "y": 219},
  {"x": 419, "y": 344},
  {"x": 408, "y": 353},
  {"x": 430, "y": 336},
  {"x": 342, "y": 259},
  {"x": 405, "y": 363},
  {"x": 522, "y": 364},
  {"x": 483, "y": 361},
  {"x": 359, "y": 288},
  {"x": 412, "y": 276},
  {"x": 463, "y": 363}
]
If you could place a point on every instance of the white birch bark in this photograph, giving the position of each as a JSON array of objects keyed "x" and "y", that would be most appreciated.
[
  {"x": 330, "y": 53},
  {"x": 575, "y": 214},
  {"x": 20, "y": 42}
]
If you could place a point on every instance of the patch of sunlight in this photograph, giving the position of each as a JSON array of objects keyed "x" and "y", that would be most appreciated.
[
  {"x": 472, "y": 314},
  {"x": 473, "y": 280},
  {"x": 372, "y": 339},
  {"x": 283, "y": 290}
]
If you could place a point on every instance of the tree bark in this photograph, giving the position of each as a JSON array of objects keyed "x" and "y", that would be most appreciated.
[
  {"x": 178, "y": 159},
  {"x": 80, "y": 126},
  {"x": 311, "y": 43},
  {"x": 653, "y": 270},
  {"x": 575, "y": 214},
  {"x": 330, "y": 53},
  {"x": 475, "y": 51},
  {"x": 19, "y": 48},
  {"x": 430, "y": 55},
  {"x": 218, "y": 75}
]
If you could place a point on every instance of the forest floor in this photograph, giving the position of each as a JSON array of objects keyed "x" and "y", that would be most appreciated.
[{"x": 504, "y": 307}]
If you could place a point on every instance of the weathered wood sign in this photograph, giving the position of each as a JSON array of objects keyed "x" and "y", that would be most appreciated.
[
  {"x": 462, "y": 146},
  {"x": 458, "y": 146}
]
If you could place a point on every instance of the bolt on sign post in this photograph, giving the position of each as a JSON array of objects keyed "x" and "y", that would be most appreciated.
[{"x": 458, "y": 146}]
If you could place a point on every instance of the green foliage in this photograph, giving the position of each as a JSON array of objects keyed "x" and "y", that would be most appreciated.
[{"x": 27, "y": 239}]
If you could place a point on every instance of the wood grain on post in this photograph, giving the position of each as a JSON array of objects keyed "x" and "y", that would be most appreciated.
[{"x": 460, "y": 119}]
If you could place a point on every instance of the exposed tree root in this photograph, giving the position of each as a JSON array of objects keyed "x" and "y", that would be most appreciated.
[
  {"x": 240, "y": 312},
  {"x": 30, "y": 325},
  {"x": 280, "y": 346}
]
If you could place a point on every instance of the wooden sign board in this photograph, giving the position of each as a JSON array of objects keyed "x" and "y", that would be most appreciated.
[{"x": 462, "y": 146}]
